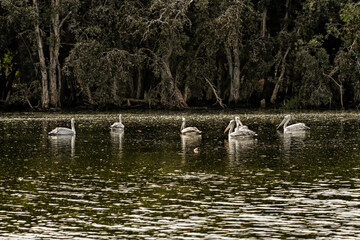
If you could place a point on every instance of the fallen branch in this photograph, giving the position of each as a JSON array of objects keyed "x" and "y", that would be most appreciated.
[
  {"x": 29, "y": 103},
  {"x": 218, "y": 99},
  {"x": 339, "y": 84},
  {"x": 279, "y": 80}
]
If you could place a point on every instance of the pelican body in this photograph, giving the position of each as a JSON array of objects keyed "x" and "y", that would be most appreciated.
[
  {"x": 118, "y": 125},
  {"x": 292, "y": 128},
  {"x": 236, "y": 129},
  {"x": 188, "y": 130},
  {"x": 63, "y": 130}
]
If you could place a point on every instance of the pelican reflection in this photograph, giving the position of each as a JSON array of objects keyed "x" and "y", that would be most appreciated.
[
  {"x": 117, "y": 139},
  {"x": 189, "y": 143},
  {"x": 63, "y": 143},
  {"x": 236, "y": 147},
  {"x": 293, "y": 141}
]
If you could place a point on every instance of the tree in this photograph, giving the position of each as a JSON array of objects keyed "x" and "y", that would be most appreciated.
[
  {"x": 36, "y": 20},
  {"x": 235, "y": 21},
  {"x": 347, "y": 61},
  {"x": 165, "y": 36}
]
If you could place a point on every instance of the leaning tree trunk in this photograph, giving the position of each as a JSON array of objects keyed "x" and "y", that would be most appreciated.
[
  {"x": 338, "y": 83},
  {"x": 44, "y": 75},
  {"x": 279, "y": 80},
  {"x": 175, "y": 99}
]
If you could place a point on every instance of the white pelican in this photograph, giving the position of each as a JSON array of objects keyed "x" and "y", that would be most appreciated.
[
  {"x": 118, "y": 125},
  {"x": 244, "y": 128},
  {"x": 293, "y": 127},
  {"x": 188, "y": 130},
  {"x": 239, "y": 124},
  {"x": 63, "y": 130},
  {"x": 238, "y": 131}
]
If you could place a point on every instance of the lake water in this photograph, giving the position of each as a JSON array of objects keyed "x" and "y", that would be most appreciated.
[{"x": 148, "y": 183}]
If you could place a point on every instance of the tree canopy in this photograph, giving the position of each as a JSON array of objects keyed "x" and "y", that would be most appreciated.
[{"x": 175, "y": 54}]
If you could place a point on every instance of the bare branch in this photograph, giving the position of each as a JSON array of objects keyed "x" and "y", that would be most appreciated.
[
  {"x": 64, "y": 19},
  {"x": 218, "y": 99},
  {"x": 330, "y": 76}
]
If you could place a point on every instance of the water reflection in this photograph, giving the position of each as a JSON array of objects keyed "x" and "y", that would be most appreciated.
[
  {"x": 117, "y": 139},
  {"x": 237, "y": 146},
  {"x": 189, "y": 143},
  {"x": 62, "y": 144},
  {"x": 293, "y": 141},
  {"x": 150, "y": 195}
]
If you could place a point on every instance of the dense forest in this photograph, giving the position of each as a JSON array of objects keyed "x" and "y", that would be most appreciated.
[{"x": 180, "y": 53}]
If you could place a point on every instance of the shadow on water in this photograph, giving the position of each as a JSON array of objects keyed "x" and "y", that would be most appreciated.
[{"x": 147, "y": 182}]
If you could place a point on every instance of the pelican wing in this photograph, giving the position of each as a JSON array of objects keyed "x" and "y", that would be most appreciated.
[
  {"x": 117, "y": 125},
  {"x": 297, "y": 127},
  {"x": 62, "y": 131},
  {"x": 243, "y": 127},
  {"x": 243, "y": 132},
  {"x": 190, "y": 130}
]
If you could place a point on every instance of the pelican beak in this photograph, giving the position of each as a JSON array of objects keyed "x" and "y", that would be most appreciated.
[
  {"x": 283, "y": 121},
  {"x": 228, "y": 127}
]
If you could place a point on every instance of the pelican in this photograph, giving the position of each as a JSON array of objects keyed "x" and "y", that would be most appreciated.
[
  {"x": 239, "y": 130},
  {"x": 63, "y": 130},
  {"x": 118, "y": 125},
  {"x": 240, "y": 127},
  {"x": 188, "y": 130},
  {"x": 293, "y": 127},
  {"x": 239, "y": 124}
]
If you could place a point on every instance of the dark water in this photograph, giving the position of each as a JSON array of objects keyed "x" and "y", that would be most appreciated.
[{"x": 148, "y": 183}]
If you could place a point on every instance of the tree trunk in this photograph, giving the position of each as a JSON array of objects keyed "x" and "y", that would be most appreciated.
[
  {"x": 88, "y": 93},
  {"x": 114, "y": 93},
  {"x": 286, "y": 17},
  {"x": 44, "y": 75},
  {"x": 233, "y": 57},
  {"x": 277, "y": 85},
  {"x": 54, "y": 48},
  {"x": 176, "y": 95},
  {"x": 263, "y": 23},
  {"x": 236, "y": 80},
  {"x": 339, "y": 84},
  {"x": 186, "y": 92},
  {"x": 139, "y": 85}
]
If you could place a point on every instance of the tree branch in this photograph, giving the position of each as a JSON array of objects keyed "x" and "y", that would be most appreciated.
[
  {"x": 64, "y": 19},
  {"x": 218, "y": 99}
]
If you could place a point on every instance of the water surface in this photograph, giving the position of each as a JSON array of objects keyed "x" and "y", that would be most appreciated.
[{"x": 148, "y": 183}]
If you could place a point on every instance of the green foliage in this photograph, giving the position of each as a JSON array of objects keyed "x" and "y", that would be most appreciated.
[
  {"x": 294, "y": 103},
  {"x": 24, "y": 93},
  {"x": 310, "y": 64},
  {"x": 6, "y": 63},
  {"x": 100, "y": 72}
]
